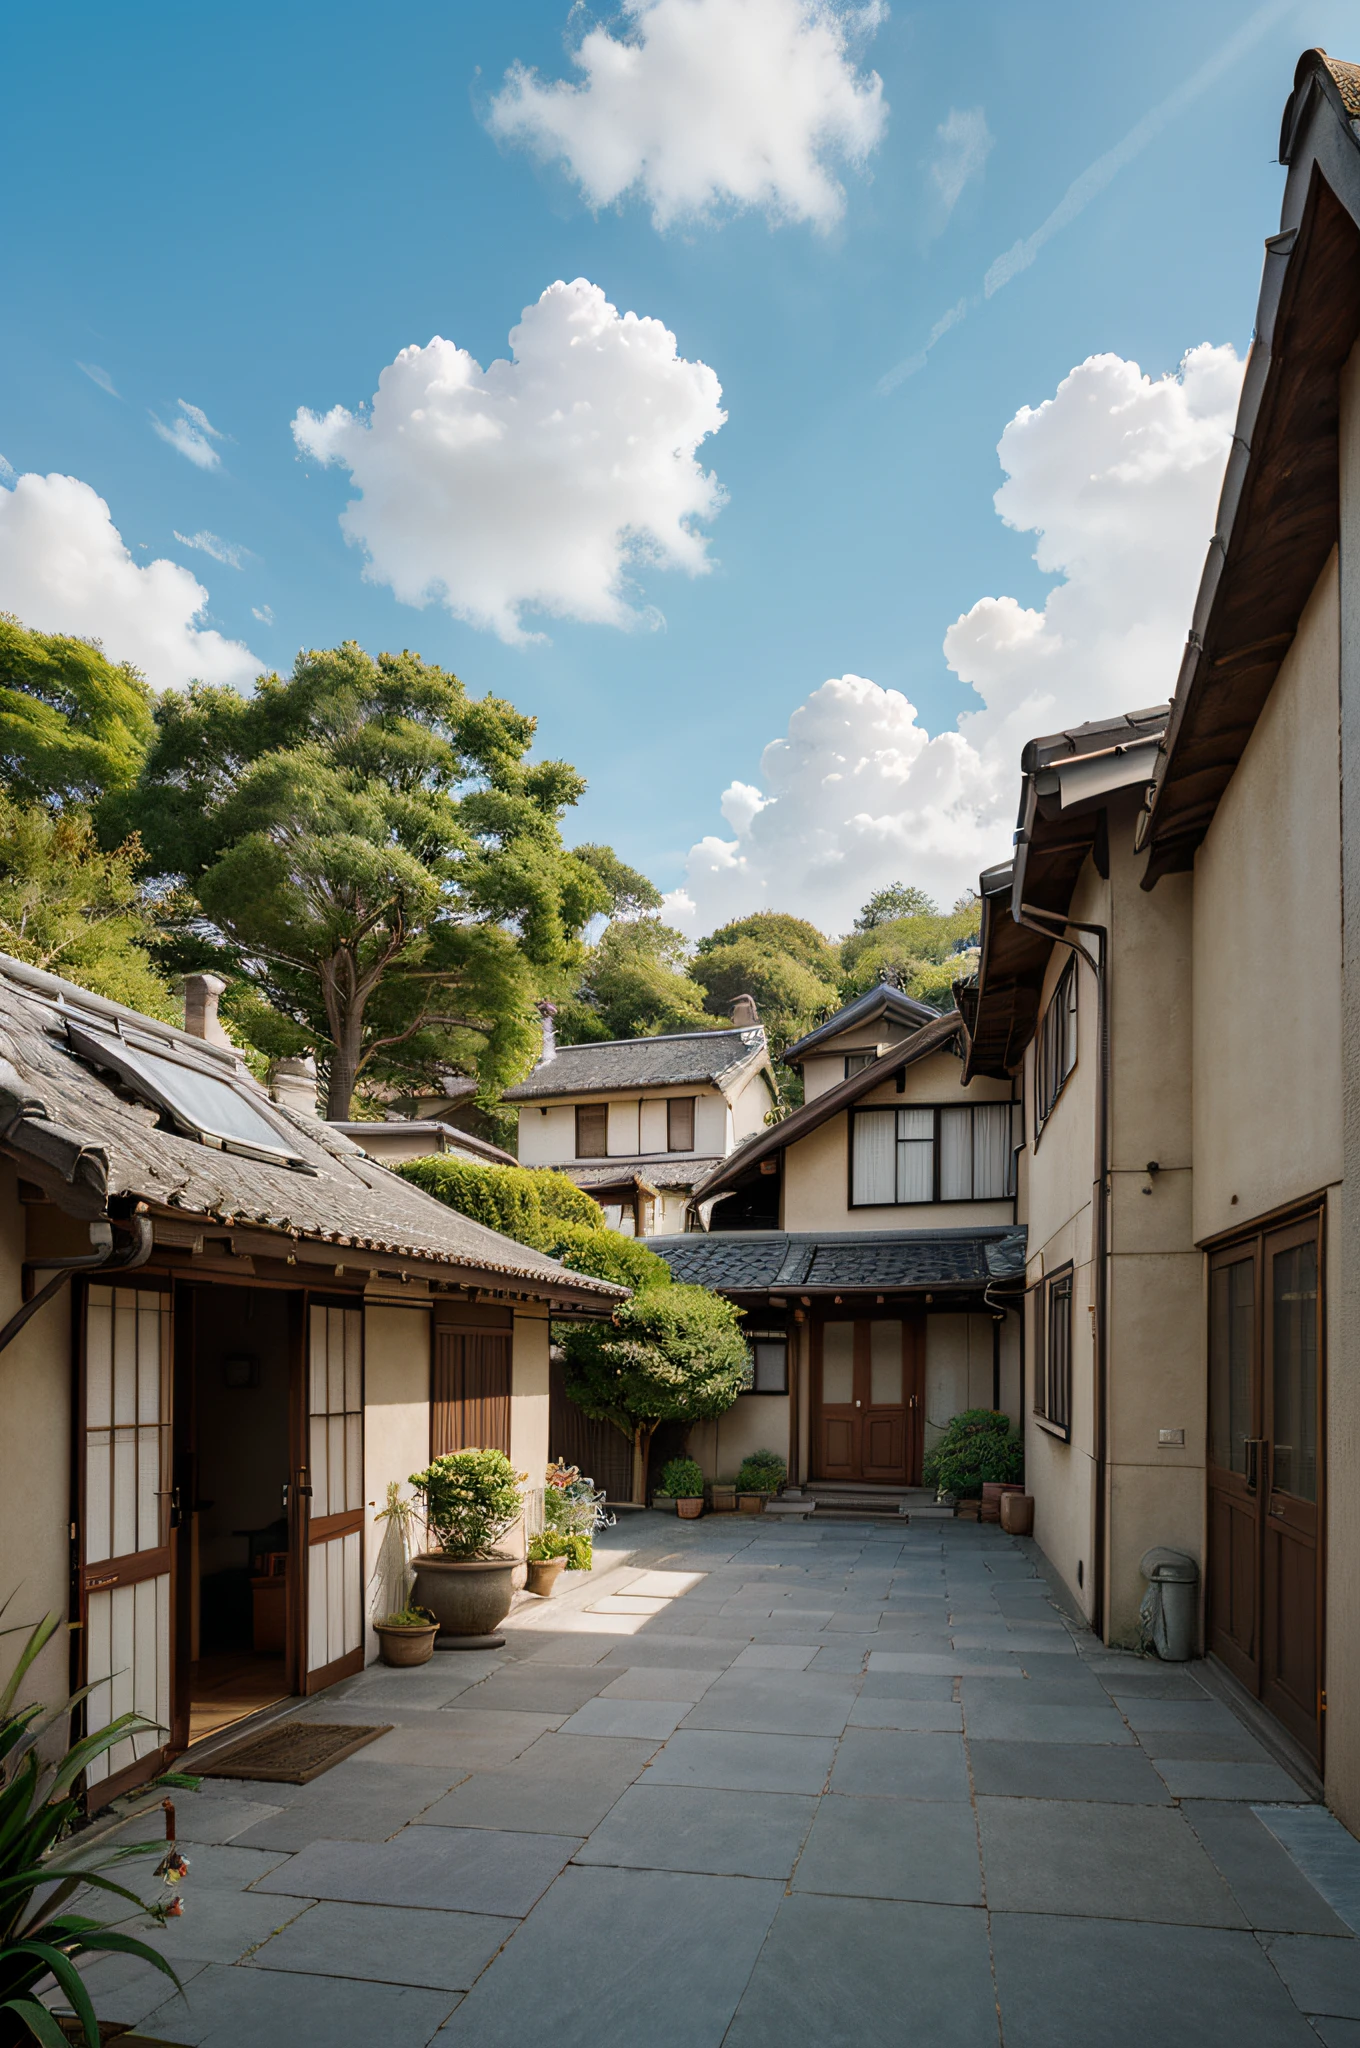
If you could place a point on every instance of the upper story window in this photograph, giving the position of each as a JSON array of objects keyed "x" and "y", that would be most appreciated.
[
  {"x": 1053, "y": 1380},
  {"x": 680, "y": 1124},
  {"x": 592, "y": 1130},
  {"x": 1056, "y": 1045},
  {"x": 950, "y": 1153},
  {"x": 855, "y": 1062}
]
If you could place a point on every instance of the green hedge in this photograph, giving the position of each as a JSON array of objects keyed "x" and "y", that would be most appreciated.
[{"x": 530, "y": 1204}]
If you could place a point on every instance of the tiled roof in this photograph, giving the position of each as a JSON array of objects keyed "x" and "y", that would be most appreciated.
[
  {"x": 652, "y": 1173},
  {"x": 752, "y": 1261},
  {"x": 882, "y": 1001},
  {"x": 444, "y": 1138},
  {"x": 669, "y": 1061},
  {"x": 87, "y": 1139}
]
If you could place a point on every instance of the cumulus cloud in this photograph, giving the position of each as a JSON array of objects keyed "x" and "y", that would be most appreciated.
[
  {"x": 1118, "y": 475},
  {"x": 65, "y": 569},
  {"x": 192, "y": 433},
  {"x": 224, "y": 551},
  {"x": 539, "y": 483},
  {"x": 99, "y": 377},
  {"x": 704, "y": 105},
  {"x": 963, "y": 144}
]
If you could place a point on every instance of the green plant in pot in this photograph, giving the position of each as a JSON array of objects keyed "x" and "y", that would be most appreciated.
[
  {"x": 682, "y": 1481},
  {"x": 407, "y": 1636},
  {"x": 759, "y": 1479},
  {"x": 975, "y": 1448},
  {"x": 548, "y": 1554},
  {"x": 468, "y": 1501}
]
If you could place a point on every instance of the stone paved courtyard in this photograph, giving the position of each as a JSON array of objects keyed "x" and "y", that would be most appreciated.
[{"x": 759, "y": 1784}]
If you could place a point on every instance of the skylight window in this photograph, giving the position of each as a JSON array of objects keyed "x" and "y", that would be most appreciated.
[{"x": 203, "y": 1104}]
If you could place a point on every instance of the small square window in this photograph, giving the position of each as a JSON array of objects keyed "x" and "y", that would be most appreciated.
[{"x": 767, "y": 1371}]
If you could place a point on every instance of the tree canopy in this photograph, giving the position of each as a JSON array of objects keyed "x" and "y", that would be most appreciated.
[
  {"x": 375, "y": 856},
  {"x": 923, "y": 954},
  {"x": 73, "y": 724},
  {"x": 636, "y": 983},
  {"x": 531, "y": 1204},
  {"x": 899, "y": 899}
]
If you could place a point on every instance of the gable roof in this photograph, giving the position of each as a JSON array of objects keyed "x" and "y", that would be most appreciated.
[
  {"x": 443, "y": 1138},
  {"x": 1279, "y": 512},
  {"x": 936, "y": 1037},
  {"x": 845, "y": 1261},
  {"x": 882, "y": 1001},
  {"x": 87, "y": 1140},
  {"x": 672, "y": 1059}
]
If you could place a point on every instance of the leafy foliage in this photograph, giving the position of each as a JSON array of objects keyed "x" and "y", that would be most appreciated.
[
  {"x": 899, "y": 899},
  {"x": 923, "y": 953},
  {"x": 39, "y": 1936},
  {"x": 762, "y": 1472},
  {"x": 975, "y": 1447},
  {"x": 533, "y": 1205},
  {"x": 636, "y": 983},
  {"x": 630, "y": 893},
  {"x": 375, "y": 855},
  {"x": 548, "y": 1544},
  {"x": 671, "y": 1354},
  {"x": 74, "y": 725},
  {"x": 407, "y": 1617},
  {"x": 606, "y": 1255},
  {"x": 70, "y": 907},
  {"x": 469, "y": 1499},
  {"x": 681, "y": 1479}
]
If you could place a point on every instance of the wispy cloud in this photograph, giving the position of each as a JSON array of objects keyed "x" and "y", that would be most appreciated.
[
  {"x": 213, "y": 544},
  {"x": 99, "y": 377},
  {"x": 6, "y": 470},
  {"x": 264, "y": 613},
  {"x": 1092, "y": 182},
  {"x": 963, "y": 144},
  {"x": 192, "y": 433}
]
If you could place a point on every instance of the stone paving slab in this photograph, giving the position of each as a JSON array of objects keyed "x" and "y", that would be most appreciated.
[
  {"x": 273, "y": 2009},
  {"x": 694, "y": 1828},
  {"x": 744, "y": 1762},
  {"x": 439, "y": 1951},
  {"x": 1099, "y": 1860},
  {"x": 470, "y": 1870},
  {"x": 893, "y": 1849}
]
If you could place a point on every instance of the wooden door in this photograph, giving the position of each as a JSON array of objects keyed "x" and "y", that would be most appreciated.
[
  {"x": 330, "y": 1496},
  {"x": 1264, "y": 1594},
  {"x": 867, "y": 1419},
  {"x": 124, "y": 1566}
]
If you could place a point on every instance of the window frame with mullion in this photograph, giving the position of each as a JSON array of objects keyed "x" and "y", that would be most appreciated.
[
  {"x": 1060, "y": 1426},
  {"x": 936, "y": 1111}
]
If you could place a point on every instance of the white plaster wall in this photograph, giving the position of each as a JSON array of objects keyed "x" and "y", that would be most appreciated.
[
  {"x": 959, "y": 1368},
  {"x": 35, "y": 1455},
  {"x": 749, "y": 1105},
  {"x": 754, "y": 1422},
  {"x": 653, "y": 1124},
  {"x": 547, "y": 1134},
  {"x": 624, "y": 1133},
  {"x": 529, "y": 1396},
  {"x": 396, "y": 1427},
  {"x": 712, "y": 1124}
]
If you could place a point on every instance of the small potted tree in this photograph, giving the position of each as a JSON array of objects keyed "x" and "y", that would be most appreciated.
[
  {"x": 468, "y": 1500},
  {"x": 760, "y": 1478},
  {"x": 682, "y": 1481}
]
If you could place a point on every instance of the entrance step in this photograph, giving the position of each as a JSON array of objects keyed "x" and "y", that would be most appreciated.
[{"x": 844, "y": 1498}]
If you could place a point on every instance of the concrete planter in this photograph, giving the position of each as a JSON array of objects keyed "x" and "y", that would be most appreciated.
[
  {"x": 664, "y": 1504},
  {"x": 1017, "y": 1513},
  {"x": 469, "y": 1600},
  {"x": 403, "y": 1645},
  {"x": 689, "y": 1509},
  {"x": 723, "y": 1499},
  {"x": 542, "y": 1575}
]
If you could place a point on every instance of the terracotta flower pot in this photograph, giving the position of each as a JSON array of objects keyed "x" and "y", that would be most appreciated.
[
  {"x": 689, "y": 1508},
  {"x": 543, "y": 1574},
  {"x": 1017, "y": 1513},
  {"x": 469, "y": 1599},
  {"x": 751, "y": 1503},
  {"x": 402, "y": 1645},
  {"x": 723, "y": 1499}
]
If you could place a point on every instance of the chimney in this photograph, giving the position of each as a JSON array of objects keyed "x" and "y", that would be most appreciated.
[
  {"x": 744, "y": 1012},
  {"x": 201, "y": 995},
  {"x": 547, "y": 1011},
  {"x": 292, "y": 1084}
]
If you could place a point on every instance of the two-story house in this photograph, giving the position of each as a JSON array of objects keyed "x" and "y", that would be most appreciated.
[{"x": 639, "y": 1122}]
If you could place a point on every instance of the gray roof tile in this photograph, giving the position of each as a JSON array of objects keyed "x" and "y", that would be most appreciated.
[
  {"x": 668, "y": 1061},
  {"x": 740, "y": 1261}
]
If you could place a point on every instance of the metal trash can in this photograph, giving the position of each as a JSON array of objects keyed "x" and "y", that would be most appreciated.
[{"x": 1170, "y": 1610}]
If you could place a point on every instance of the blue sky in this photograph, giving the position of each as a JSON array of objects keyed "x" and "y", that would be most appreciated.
[{"x": 253, "y": 210}]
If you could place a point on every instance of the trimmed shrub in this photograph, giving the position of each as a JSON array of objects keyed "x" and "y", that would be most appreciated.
[
  {"x": 681, "y": 1479},
  {"x": 525, "y": 1203},
  {"x": 762, "y": 1472},
  {"x": 606, "y": 1255},
  {"x": 469, "y": 1499},
  {"x": 977, "y": 1447}
]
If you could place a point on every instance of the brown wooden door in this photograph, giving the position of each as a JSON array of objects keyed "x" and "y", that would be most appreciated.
[
  {"x": 867, "y": 1423},
  {"x": 1264, "y": 1604}
]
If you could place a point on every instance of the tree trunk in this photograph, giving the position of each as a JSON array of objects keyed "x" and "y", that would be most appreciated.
[
  {"x": 642, "y": 1444},
  {"x": 345, "y": 1015}
]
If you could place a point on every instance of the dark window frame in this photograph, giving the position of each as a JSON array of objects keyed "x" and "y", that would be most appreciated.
[
  {"x": 935, "y": 1198},
  {"x": 600, "y": 1109},
  {"x": 1055, "y": 1045},
  {"x": 1054, "y": 1307},
  {"x": 754, "y": 1337},
  {"x": 856, "y": 1062},
  {"x": 673, "y": 1104}
]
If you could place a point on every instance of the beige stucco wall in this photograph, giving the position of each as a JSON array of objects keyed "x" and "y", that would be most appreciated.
[
  {"x": 529, "y": 1396},
  {"x": 816, "y": 1187},
  {"x": 396, "y": 1427},
  {"x": 959, "y": 1368},
  {"x": 35, "y": 1460},
  {"x": 754, "y": 1422},
  {"x": 637, "y": 1123}
]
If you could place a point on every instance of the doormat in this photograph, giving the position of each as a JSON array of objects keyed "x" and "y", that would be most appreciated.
[{"x": 293, "y": 1753}]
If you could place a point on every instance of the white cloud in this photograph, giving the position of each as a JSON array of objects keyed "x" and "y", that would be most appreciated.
[
  {"x": 64, "y": 569},
  {"x": 536, "y": 484},
  {"x": 6, "y": 470},
  {"x": 1118, "y": 475},
  {"x": 964, "y": 143},
  {"x": 224, "y": 551},
  {"x": 264, "y": 613},
  {"x": 192, "y": 433},
  {"x": 707, "y": 104},
  {"x": 99, "y": 377}
]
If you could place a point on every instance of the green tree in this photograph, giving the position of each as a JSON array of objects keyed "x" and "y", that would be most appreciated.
[
  {"x": 533, "y": 1205},
  {"x": 671, "y": 1354},
  {"x": 74, "y": 908},
  {"x": 377, "y": 858},
  {"x": 630, "y": 893},
  {"x": 899, "y": 899},
  {"x": 73, "y": 724},
  {"x": 636, "y": 983},
  {"x": 786, "y": 964},
  {"x": 923, "y": 954}
]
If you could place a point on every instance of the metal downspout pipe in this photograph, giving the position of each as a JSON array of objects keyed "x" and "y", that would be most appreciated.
[
  {"x": 102, "y": 1255},
  {"x": 1042, "y": 921}
]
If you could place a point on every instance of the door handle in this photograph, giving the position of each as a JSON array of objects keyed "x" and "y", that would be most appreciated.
[
  {"x": 857, "y": 1404},
  {"x": 1252, "y": 1445}
]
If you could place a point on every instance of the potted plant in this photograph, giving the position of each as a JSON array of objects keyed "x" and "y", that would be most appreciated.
[
  {"x": 548, "y": 1554},
  {"x": 974, "y": 1450},
  {"x": 760, "y": 1478},
  {"x": 468, "y": 1500},
  {"x": 682, "y": 1481},
  {"x": 406, "y": 1636},
  {"x": 574, "y": 1507}
]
